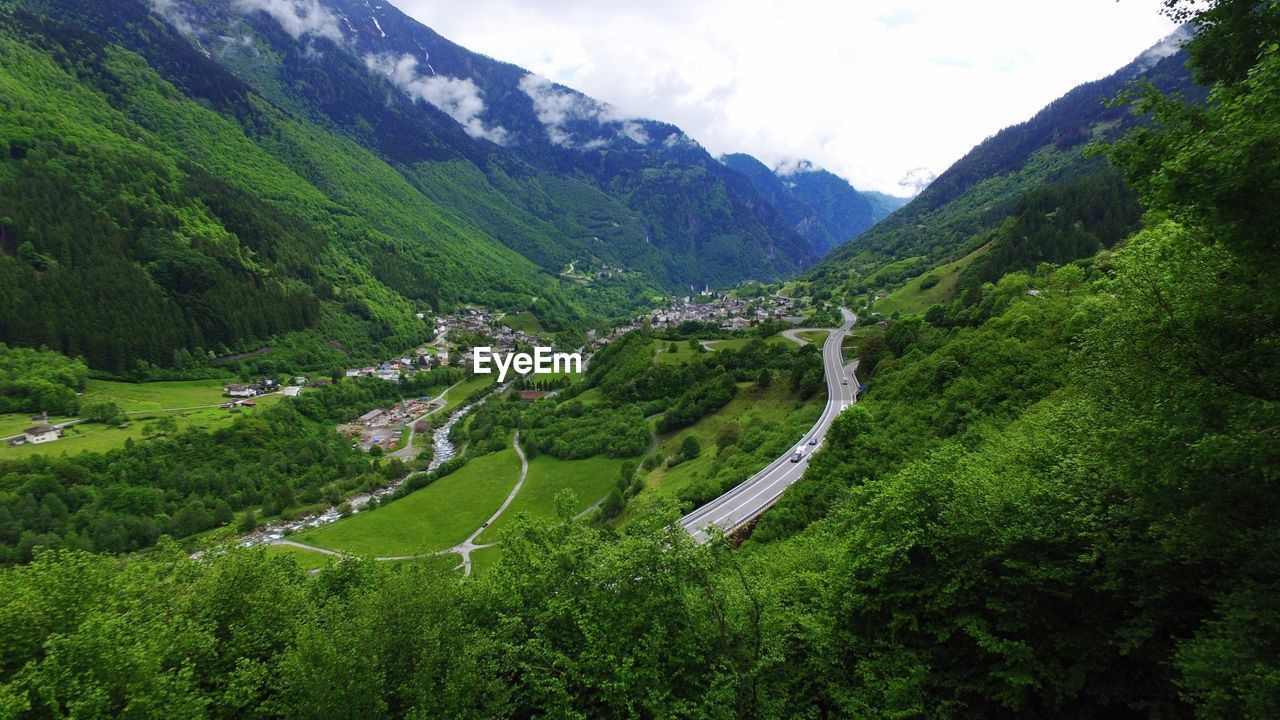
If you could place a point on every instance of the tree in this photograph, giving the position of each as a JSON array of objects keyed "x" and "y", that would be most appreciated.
[
  {"x": 248, "y": 521},
  {"x": 728, "y": 435},
  {"x": 106, "y": 412},
  {"x": 764, "y": 378},
  {"x": 690, "y": 448}
]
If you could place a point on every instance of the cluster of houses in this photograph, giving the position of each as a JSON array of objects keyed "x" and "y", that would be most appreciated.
[
  {"x": 443, "y": 352},
  {"x": 730, "y": 313},
  {"x": 243, "y": 394}
]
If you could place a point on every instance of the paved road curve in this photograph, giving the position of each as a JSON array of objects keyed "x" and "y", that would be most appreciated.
[{"x": 746, "y": 501}]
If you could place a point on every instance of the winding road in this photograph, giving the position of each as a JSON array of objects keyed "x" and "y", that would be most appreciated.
[
  {"x": 468, "y": 546},
  {"x": 745, "y": 502}
]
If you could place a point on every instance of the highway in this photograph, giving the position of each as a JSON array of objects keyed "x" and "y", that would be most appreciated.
[{"x": 745, "y": 502}]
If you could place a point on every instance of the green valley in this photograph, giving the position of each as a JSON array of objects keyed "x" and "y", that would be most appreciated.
[{"x": 1008, "y": 450}]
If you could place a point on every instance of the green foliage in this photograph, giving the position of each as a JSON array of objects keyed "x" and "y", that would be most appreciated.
[
  {"x": 104, "y": 411},
  {"x": 690, "y": 448},
  {"x": 1052, "y": 505},
  {"x": 125, "y": 499},
  {"x": 36, "y": 381}
]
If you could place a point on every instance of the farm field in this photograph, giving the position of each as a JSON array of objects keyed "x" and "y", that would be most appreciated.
[
  {"x": 434, "y": 518},
  {"x": 143, "y": 402},
  {"x": 135, "y": 397},
  {"x": 589, "y": 480}
]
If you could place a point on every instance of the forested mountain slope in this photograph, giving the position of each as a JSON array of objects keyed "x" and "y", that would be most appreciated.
[
  {"x": 823, "y": 207},
  {"x": 1014, "y": 179},
  {"x": 193, "y": 178}
]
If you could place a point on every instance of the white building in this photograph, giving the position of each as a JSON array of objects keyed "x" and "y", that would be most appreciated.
[
  {"x": 239, "y": 391},
  {"x": 41, "y": 434}
]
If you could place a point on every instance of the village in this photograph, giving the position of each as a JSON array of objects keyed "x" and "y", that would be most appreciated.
[{"x": 729, "y": 313}]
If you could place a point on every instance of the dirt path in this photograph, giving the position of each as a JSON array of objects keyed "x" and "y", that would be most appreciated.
[{"x": 468, "y": 546}]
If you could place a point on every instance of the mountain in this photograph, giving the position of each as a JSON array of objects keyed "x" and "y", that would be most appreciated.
[
  {"x": 1036, "y": 175},
  {"x": 685, "y": 218},
  {"x": 183, "y": 179},
  {"x": 823, "y": 207}
]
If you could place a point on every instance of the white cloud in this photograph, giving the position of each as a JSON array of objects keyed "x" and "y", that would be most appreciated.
[
  {"x": 635, "y": 131},
  {"x": 457, "y": 97},
  {"x": 173, "y": 11},
  {"x": 916, "y": 179},
  {"x": 865, "y": 92},
  {"x": 555, "y": 107},
  {"x": 296, "y": 17}
]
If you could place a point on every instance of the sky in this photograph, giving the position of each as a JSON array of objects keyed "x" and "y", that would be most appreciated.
[{"x": 874, "y": 92}]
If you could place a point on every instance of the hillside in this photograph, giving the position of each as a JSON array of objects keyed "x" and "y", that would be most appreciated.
[
  {"x": 823, "y": 207},
  {"x": 625, "y": 190},
  {"x": 185, "y": 180},
  {"x": 1012, "y": 181}
]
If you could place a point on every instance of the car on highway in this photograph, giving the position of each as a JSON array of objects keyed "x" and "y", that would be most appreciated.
[
  {"x": 813, "y": 441},
  {"x": 797, "y": 457},
  {"x": 844, "y": 382}
]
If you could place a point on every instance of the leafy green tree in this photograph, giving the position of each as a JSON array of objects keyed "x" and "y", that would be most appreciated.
[
  {"x": 106, "y": 412},
  {"x": 690, "y": 447}
]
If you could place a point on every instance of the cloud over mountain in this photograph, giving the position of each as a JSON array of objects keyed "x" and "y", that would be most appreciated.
[
  {"x": 297, "y": 17},
  {"x": 457, "y": 97}
]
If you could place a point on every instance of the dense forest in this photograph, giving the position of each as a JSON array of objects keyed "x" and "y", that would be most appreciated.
[
  {"x": 36, "y": 381},
  {"x": 1059, "y": 504}
]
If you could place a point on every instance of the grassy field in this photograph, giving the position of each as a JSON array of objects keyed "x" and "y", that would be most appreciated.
[
  {"x": 589, "y": 480},
  {"x": 684, "y": 353},
  {"x": 93, "y": 437},
  {"x": 739, "y": 343},
  {"x": 135, "y": 397},
  {"x": 817, "y": 337},
  {"x": 468, "y": 386},
  {"x": 132, "y": 398},
  {"x": 914, "y": 298},
  {"x": 749, "y": 406},
  {"x": 525, "y": 321},
  {"x": 898, "y": 266},
  {"x": 482, "y": 561},
  {"x": 306, "y": 559},
  {"x": 591, "y": 396},
  {"x": 436, "y": 517}
]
